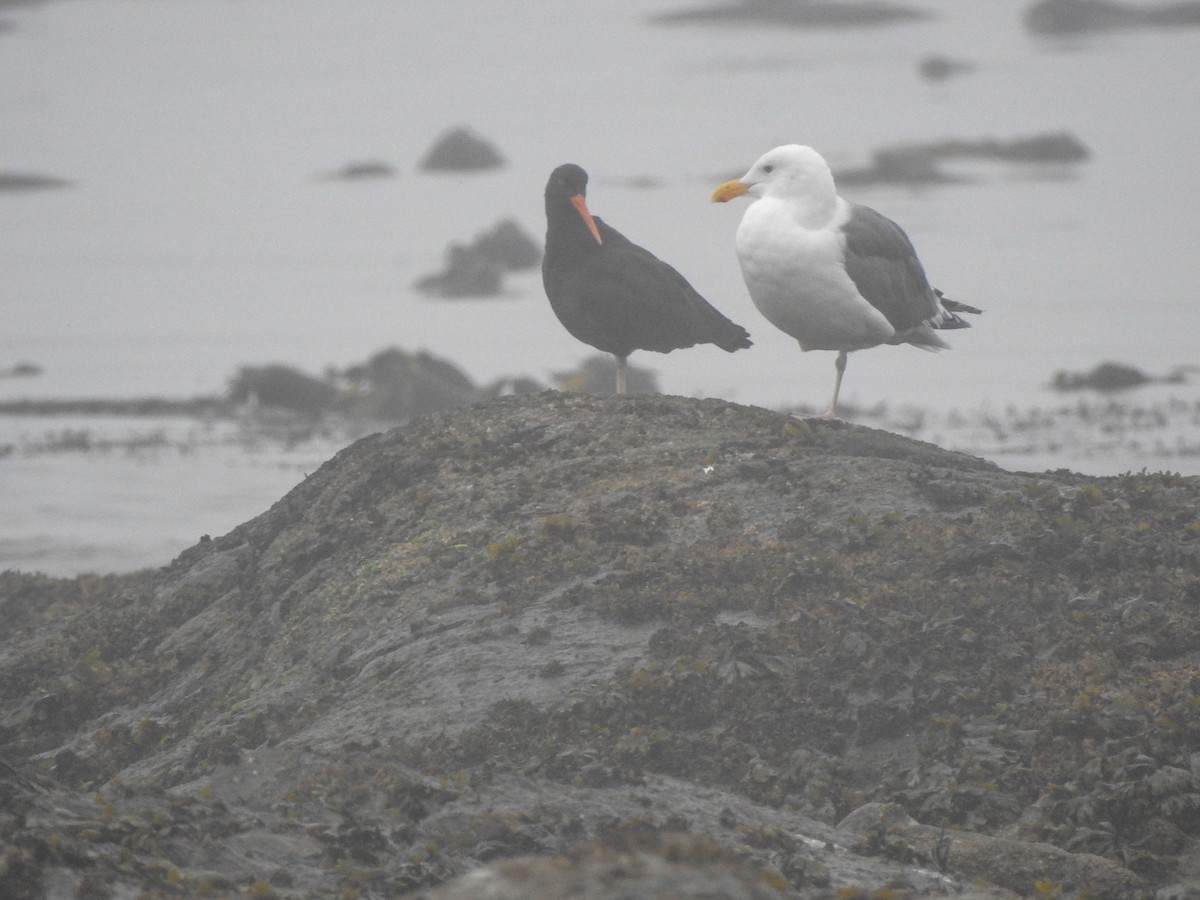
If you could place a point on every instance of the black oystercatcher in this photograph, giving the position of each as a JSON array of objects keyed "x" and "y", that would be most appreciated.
[
  {"x": 832, "y": 274},
  {"x": 619, "y": 297}
]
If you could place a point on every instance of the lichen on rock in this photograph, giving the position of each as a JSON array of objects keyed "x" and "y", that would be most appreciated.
[{"x": 530, "y": 627}]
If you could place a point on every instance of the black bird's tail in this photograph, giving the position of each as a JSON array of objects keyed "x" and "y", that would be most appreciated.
[
  {"x": 732, "y": 337},
  {"x": 693, "y": 319}
]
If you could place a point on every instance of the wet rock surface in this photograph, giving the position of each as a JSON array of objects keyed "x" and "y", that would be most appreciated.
[{"x": 625, "y": 644}]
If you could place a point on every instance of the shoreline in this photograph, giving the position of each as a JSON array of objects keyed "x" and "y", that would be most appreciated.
[
  {"x": 1091, "y": 432},
  {"x": 201, "y": 406}
]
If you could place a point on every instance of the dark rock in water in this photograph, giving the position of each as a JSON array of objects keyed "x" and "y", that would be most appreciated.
[
  {"x": 651, "y": 641},
  {"x": 595, "y": 376},
  {"x": 642, "y": 182},
  {"x": 1080, "y": 16},
  {"x": 461, "y": 150},
  {"x": 283, "y": 387},
  {"x": 1169, "y": 15},
  {"x": 1107, "y": 376},
  {"x": 936, "y": 67},
  {"x": 394, "y": 385},
  {"x": 26, "y": 181},
  {"x": 21, "y": 370},
  {"x": 469, "y": 272},
  {"x": 1053, "y": 148},
  {"x": 477, "y": 269},
  {"x": 1075, "y": 16},
  {"x": 920, "y": 163},
  {"x": 363, "y": 170},
  {"x": 510, "y": 245},
  {"x": 795, "y": 14},
  {"x": 899, "y": 165}
]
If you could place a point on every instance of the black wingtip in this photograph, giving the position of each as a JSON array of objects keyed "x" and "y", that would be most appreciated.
[{"x": 955, "y": 307}]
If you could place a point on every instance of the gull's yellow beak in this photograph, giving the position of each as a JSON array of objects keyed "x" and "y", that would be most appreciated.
[{"x": 729, "y": 190}]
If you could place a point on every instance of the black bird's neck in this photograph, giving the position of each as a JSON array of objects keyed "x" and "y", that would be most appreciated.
[{"x": 566, "y": 231}]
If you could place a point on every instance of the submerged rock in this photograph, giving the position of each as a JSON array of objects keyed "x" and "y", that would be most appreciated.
[
  {"x": 477, "y": 269},
  {"x": 510, "y": 245},
  {"x": 1051, "y": 147},
  {"x": 281, "y": 386},
  {"x": 650, "y": 641},
  {"x": 1107, "y": 376},
  {"x": 28, "y": 181},
  {"x": 936, "y": 67},
  {"x": 899, "y": 165},
  {"x": 468, "y": 272},
  {"x": 461, "y": 149},
  {"x": 395, "y": 385},
  {"x": 796, "y": 13},
  {"x": 1079, "y": 16},
  {"x": 362, "y": 170},
  {"x": 920, "y": 163},
  {"x": 21, "y": 370}
]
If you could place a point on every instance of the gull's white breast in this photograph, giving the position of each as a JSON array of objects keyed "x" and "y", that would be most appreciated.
[{"x": 797, "y": 278}]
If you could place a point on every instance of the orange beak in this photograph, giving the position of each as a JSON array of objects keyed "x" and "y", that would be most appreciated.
[
  {"x": 581, "y": 207},
  {"x": 730, "y": 189}
]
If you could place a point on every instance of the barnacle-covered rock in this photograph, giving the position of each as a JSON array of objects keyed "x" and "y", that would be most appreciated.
[{"x": 550, "y": 620}]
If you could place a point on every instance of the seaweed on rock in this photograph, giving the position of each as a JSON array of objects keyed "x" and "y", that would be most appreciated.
[{"x": 507, "y": 630}]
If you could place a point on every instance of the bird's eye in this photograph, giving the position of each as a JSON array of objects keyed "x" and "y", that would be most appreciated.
[{"x": 768, "y": 169}]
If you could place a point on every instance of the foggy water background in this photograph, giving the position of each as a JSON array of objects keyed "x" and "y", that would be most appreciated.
[{"x": 198, "y": 236}]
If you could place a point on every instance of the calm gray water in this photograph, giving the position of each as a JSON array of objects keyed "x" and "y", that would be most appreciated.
[{"x": 198, "y": 236}]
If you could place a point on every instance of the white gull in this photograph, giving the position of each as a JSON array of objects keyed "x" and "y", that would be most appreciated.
[{"x": 833, "y": 274}]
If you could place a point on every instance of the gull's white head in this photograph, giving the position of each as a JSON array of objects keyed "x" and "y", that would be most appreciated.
[{"x": 792, "y": 171}]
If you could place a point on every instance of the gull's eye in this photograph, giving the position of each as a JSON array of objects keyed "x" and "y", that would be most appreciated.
[{"x": 768, "y": 169}]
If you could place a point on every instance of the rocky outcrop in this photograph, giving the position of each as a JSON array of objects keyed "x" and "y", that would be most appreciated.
[
  {"x": 477, "y": 269},
  {"x": 626, "y": 642},
  {"x": 1110, "y": 377},
  {"x": 920, "y": 163},
  {"x": 461, "y": 149},
  {"x": 1066, "y": 17}
]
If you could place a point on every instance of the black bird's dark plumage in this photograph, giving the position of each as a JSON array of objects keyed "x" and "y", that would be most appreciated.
[{"x": 614, "y": 295}]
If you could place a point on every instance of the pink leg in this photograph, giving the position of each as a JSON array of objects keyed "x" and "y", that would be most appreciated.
[
  {"x": 840, "y": 365},
  {"x": 831, "y": 413}
]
